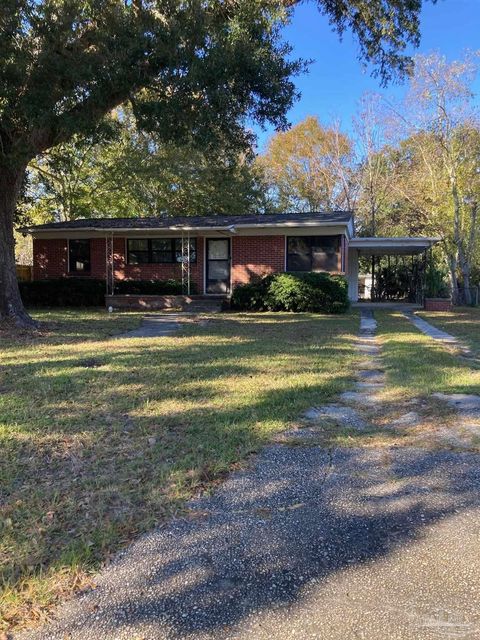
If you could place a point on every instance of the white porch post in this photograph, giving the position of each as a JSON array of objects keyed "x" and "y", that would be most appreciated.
[{"x": 352, "y": 275}]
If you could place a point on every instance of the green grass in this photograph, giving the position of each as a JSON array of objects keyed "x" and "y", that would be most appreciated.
[
  {"x": 416, "y": 365},
  {"x": 462, "y": 322},
  {"x": 94, "y": 455}
]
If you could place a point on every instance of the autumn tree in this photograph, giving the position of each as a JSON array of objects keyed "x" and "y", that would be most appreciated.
[
  {"x": 191, "y": 70},
  {"x": 309, "y": 168}
]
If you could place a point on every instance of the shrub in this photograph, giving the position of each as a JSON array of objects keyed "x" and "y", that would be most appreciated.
[
  {"x": 152, "y": 287},
  {"x": 312, "y": 292},
  {"x": 63, "y": 292},
  {"x": 436, "y": 282},
  {"x": 251, "y": 296}
]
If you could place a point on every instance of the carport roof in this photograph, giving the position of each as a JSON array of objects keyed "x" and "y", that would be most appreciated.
[{"x": 391, "y": 246}]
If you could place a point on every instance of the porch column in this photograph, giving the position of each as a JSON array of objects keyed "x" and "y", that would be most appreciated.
[{"x": 352, "y": 275}]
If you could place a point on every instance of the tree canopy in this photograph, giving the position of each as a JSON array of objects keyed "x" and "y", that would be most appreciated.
[
  {"x": 309, "y": 168},
  {"x": 121, "y": 172}
]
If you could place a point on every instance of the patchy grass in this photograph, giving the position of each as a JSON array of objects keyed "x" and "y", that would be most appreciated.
[
  {"x": 93, "y": 455},
  {"x": 416, "y": 365},
  {"x": 463, "y": 323}
]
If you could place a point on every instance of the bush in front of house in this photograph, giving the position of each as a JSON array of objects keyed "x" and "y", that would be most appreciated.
[
  {"x": 63, "y": 292},
  {"x": 152, "y": 287},
  {"x": 312, "y": 292}
]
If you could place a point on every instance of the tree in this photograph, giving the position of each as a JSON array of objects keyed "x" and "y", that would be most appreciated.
[
  {"x": 439, "y": 156},
  {"x": 191, "y": 70},
  {"x": 127, "y": 172},
  {"x": 309, "y": 168},
  {"x": 375, "y": 172}
]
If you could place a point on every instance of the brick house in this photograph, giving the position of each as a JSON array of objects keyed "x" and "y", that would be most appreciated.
[{"x": 211, "y": 254}]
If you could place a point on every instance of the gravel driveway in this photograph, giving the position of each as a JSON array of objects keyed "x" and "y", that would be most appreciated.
[{"x": 305, "y": 543}]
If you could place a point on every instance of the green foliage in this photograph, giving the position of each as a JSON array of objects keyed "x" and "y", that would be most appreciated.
[
  {"x": 152, "y": 287},
  {"x": 129, "y": 173},
  {"x": 398, "y": 280},
  {"x": 63, "y": 292},
  {"x": 426, "y": 180},
  {"x": 65, "y": 65},
  {"x": 89, "y": 292},
  {"x": 313, "y": 292},
  {"x": 436, "y": 282}
]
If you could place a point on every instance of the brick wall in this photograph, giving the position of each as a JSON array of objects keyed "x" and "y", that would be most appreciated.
[
  {"x": 437, "y": 304},
  {"x": 251, "y": 256},
  {"x": 256, "y": 256},
  {"x": 50, "y": 259}
]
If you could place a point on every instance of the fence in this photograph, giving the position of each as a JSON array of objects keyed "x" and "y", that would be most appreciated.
[{"x": 24, "y": 272}]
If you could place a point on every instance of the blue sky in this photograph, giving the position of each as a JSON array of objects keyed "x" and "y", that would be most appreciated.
[{"x": 337, "y": 79}]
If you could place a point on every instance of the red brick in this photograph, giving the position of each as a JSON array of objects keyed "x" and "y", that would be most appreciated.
[
  {"x": 125, "y": 271},
  {"x": 437, "y": 304},
  {"x": 256, "y": 256},
  {"x": 49, "y": 259}
]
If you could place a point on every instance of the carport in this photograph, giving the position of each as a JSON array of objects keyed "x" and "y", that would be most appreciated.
[{"x": 379, "y": 247}]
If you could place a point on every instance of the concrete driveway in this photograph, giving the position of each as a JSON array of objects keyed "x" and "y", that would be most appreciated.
[{"x": 306, "y": 543}]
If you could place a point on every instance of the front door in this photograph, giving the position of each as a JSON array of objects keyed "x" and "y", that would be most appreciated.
[{"x": 218, "y": 265}]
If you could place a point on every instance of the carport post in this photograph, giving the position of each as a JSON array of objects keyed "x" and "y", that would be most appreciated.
[{"x": 353, "y": 275}]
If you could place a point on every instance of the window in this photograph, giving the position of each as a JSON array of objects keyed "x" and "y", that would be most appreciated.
[
  {"x": 161, "y": 250},
  {"x": 313, "y": 253},
  {"x": 158, "y": 250},
  {"x": 79, "y": 256},
  {"x": 138, "y": 252}
]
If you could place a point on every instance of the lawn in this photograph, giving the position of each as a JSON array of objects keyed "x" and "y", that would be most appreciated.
[
  {"x": 463, "y": 322},
  {"x": 416, "y": 365},
  {"x": 103, "y": 438}
]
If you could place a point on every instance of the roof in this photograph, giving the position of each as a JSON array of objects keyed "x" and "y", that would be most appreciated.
[
  {"x": 198, "y": 222},
  {"x": 392, "y": 246}
]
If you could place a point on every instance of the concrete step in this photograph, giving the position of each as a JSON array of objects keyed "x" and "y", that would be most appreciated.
[{"x": 203, "y": 306}]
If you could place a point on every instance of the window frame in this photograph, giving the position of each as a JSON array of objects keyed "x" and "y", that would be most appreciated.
[
  {"x": 151, "y": 251},
  {"x": 310, "y": 240},
  {"x": 71, "y": 269}
]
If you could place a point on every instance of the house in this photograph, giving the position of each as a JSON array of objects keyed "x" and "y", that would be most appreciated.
[{"x": 213, "y": 253}]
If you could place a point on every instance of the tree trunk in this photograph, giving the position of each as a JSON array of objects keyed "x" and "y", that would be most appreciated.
[
  {"x": 11, "y": 305},
  {"x": 452, "y": 263},
  {"x": 466, "y": 255},
  {"x": 458, "y": 239}
]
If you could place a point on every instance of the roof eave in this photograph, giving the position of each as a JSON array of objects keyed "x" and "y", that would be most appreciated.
[{"x": 229, "y": 228}]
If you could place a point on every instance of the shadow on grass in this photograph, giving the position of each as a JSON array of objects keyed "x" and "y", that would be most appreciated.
[{"x": 93, "y": 456}]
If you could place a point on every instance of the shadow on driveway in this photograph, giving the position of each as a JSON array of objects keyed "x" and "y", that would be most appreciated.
[{"x": 262, "y": 557}]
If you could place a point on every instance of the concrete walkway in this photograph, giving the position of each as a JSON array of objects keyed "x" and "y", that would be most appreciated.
[
  {"x": 431, "y": 331},
  {"x": 155, "y": 326},
  {"x": 437, "y": 334},
  {"x": 308, "y": 542}
]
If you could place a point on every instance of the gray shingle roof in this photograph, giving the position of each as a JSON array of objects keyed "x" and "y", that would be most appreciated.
[{"x": 192, "y": 222}]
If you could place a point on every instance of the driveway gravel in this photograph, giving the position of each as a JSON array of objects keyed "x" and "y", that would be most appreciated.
[{"x": 305, "y": 543}]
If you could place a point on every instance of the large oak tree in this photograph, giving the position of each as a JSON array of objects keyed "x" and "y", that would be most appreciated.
[{"x": 194, "y": 69}]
